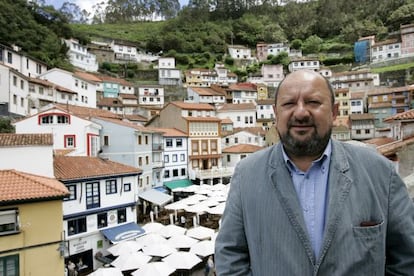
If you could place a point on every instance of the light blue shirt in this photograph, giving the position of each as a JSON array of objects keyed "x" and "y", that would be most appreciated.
[{"x": 312, "y": 190}]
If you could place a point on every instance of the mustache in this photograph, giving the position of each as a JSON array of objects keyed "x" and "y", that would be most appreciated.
[{"x": 303, "y": 122}]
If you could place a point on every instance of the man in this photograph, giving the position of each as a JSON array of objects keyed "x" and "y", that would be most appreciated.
[{"x": 311, "y": 205}]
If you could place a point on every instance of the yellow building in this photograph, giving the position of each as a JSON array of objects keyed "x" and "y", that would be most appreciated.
[{"x": 31, "y": 227}]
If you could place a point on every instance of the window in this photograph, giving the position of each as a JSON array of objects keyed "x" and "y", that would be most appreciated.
[
  {"x": 9, "y": 221},
  {"x": 166, "y": 174},
  {"x": 227, "y": 140},
  {"x": 139, "y": 139},
  {"x": 213, "y": 145},
  {"x": 121, "y": 215},
  {"x": 183, "y": 172},
  {"x": 236, "y": 140},
  {"x": 182, "y": 157},
  {"x": 228, "y": 158},
  {"x": 110, "y": 186},
  {"x": 22, "y": 84},
  {"x": 70, "y": 141},
  {"x": 146, "y": 139},
  {"x": 358, "y": 131},
  {"x": 367, "y": 131},
  {"x": 174, "y": 158},
  {"x": 76, "y": 226},
  {"x": 72, "y": 191},
  {"x": 62, "y": 119},
  {"x": 9, "y": 265},
  {"x": 9, "y": 57},
  {"x": 102, "y": 220},
  {"x": 179, "y": 143},
  {"x": 127, "y": 187},
  {"x": 175, "y": 172},
  {"x": 139, "y": 161},
  {"x": 166, "y": 158},
  {"x": 146, "y": 160},
  {"x": 46, "y": 119},
  {"x": 238, "y": 118},
  {"x": 92, "y": 195},
  {"x": 106, "y": 140},
  {"x": 169, "y": 143}
]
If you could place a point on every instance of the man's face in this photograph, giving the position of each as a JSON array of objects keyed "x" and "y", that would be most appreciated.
[{"x": 304, "y": 114}]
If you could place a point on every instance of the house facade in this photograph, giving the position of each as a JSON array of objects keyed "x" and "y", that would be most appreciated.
[
  {"x": 28, "y": 203},
  {"x": 167, "y": 73},
  {"x": 214, "y": 95},
  {"x": 242, "y": 115},
  {"x": 385, "y": 50},
  {"x": 71, "y": 133},
  {"x": 233, "y": 154},
  {"x": 80, "y": 57},
  {"x": 151, "y": 95},
  {"x": 359, "y": 80},
  {"x": 101, "y": 208},
  {"x": 299, "y": 63},
  {"x": 265, "y": 116},
  {"x": 242, "y": 92}
]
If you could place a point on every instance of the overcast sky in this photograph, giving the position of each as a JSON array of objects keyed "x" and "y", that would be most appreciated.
[{"x": 87, "y": 4}]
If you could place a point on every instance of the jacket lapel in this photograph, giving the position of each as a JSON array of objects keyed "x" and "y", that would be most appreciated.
[
  {"x": 287, "y": 196},
  {"x": 339, "y": 186}
]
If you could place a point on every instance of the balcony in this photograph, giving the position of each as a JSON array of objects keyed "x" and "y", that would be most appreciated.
[
  {"x": 157, "y": 164},
  {"x": 157, "y": 147},
  {"x": 212, "y": 173}
]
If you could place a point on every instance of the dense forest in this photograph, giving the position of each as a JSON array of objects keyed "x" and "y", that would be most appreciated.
[{"x": 205, "y": 27}]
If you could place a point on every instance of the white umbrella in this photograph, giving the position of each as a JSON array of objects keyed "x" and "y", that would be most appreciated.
[
  {"x": 210, "y": 202},
  {"x": 197, "y": 208},
  {"x": 151, "y": 238},
  {"x": 107, "y": 271},
  {"x": 154, "y": 269},
  {"x": 203, "y": 248},
  {"x": 158, "y": 250},
  {"x": 182, "y": 260},
  {"x": 190, "y": 189},
  {"x": 181, "y": 241},
  {"x": 217, "y": 210},
  {"x": 219, "y": 187},
  {"x": 131, "y": 261},
  {"x": 124, "y": 247},
  {"x": 200, "y": 232},
  {"x": 152, "y": 227},
  {"x": 178, "y": 205},
  {"x": 172, "y": 230}
]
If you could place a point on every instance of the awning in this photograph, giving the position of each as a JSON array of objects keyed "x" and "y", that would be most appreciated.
[
  {"x": 178, "y": 183},
  {"x": 123, "y": 232},
  {"x": 156, "y": 197}
]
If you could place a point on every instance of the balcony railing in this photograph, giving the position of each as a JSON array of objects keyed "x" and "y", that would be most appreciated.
[{"x": 213, "y": 173}]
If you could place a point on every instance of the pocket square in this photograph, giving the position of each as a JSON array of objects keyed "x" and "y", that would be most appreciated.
[{"x": 368, "y": 223}]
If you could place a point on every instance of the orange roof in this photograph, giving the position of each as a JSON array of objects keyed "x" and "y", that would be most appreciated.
[
  {"x": 25, "y": 139},
  {"x": 244, "y": 86},
  {"x": 362, "y": 116},
  {"x": 107, "y": 101},
  {"x": 20, "y": 186},
  {"x": 226, "y": 120},
  {"x": 265, "y": 102},
  {"x": 207, "y": 91},
  {"x": 252, "y": 130},
  {"x": 78, "y": 167},
  {"x": 87, "y": 76},
  {"x": 169, "y": 132},
  {"x": 407, "y": 115},
  {"x": 242, "y": 148},
  {"x": 192, "y": 106},
  {"x": 86, "y": 112},
  {"x": 128, "y": 124},
  {"x": 237, "y": 107}
]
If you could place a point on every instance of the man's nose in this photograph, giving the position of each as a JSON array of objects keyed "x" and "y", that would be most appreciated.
[{"x": 301, "y": 110}]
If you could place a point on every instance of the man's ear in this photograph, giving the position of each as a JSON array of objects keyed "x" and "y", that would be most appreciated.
[{"x": 335, "y": 110}]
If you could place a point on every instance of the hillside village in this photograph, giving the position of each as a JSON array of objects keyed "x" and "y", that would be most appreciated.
[{"x": 95, "y": 157}]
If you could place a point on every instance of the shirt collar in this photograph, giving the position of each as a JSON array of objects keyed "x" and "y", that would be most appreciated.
[{"x": 325, "y": 157}]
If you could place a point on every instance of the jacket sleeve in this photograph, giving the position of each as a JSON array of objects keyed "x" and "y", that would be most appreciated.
[
  {"x": 400, "y": 231},
  {"x": 231, "y": 249}
]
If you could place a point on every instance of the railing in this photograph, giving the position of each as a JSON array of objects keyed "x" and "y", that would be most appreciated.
[{"x": 214, "y": 173}]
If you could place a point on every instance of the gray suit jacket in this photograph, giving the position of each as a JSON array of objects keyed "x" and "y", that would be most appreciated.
[{"x": 263, "y": 230}]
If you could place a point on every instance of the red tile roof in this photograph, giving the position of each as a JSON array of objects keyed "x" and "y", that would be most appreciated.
[
  {"x": 407, "y": 115},
  {"x": 78, "y": 167},
  {"x": 237, "y": 107},
  {"x": 86, "y": 112},
  {"x": 18, "y": 186},
  {"x": 243, "y": 86},
  {"x": 242, "y": 148},
  {"x": 192, "y": 106},
  {"x": 169, "y": 132},
  {"x": 26, "y": 139}
]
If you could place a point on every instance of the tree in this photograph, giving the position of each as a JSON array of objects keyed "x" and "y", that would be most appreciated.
[
  {"x": 312, "y": 44},
  {"x": 6, "y": 126},
  {"x": 74, "y": 14}
]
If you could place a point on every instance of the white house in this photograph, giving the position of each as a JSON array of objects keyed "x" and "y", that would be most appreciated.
[
  {"x": 211, "y": 95},
  {"x": 248, "y": 135},
  {"x": 28, "y": 66},
  {"x": 272, "y": 74},
  {"x": 233, "y": 154},
  {"x": 124, "y": 52},
  {"x": 84, "y": 87},
  {"x": 264, "y": 113},
  {"x": 385, "y": 50},
  {"x": 101, "y": 209},
  {"x": 242, "y": 92},
  {"x": 240, "y": 52},
  {"x": 72, "y": 133},
  {"x": 151, "y": 95},
  {"x": 242, "y": 115},
  {"x": 304, "y": 63},
  {"x": 80, "y": 57},
  {"x": 18, "y": 147},
  {"x": 14, "y": 92},
  {"x": 167, "y": 73},
  {"x": 358, "y": 80}
]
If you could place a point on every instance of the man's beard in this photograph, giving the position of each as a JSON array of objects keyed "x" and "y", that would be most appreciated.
[{"x": 313, "y": 146}]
